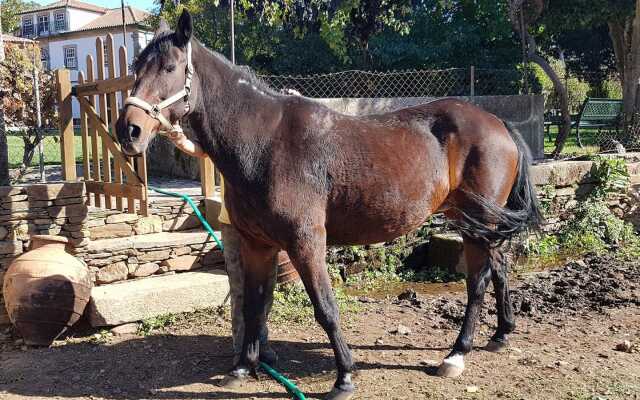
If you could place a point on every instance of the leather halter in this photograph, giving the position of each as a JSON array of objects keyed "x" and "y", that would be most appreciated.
[{"x": 155, "y": 110}]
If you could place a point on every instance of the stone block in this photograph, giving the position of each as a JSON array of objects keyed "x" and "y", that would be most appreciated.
[
  {"x": 110, "y": 231},
  {"x": 17, "y": 197},
  {"x": 112, "y": 273},
  {"x": 181, "y": 223},
  {"x": 445, "y": 252},
  {"x": 146, "y": 225},
  {"x": 4, "y": 232},
  {"x": 120, "y": 218},
  {"x": 181, "y": 251},
  {"x": 8, "y": 191},
  {"x": 92, "y": 223},
  {"x": 156, "y": 255},
  {"x": 182, "y": 263},
  {"x": 72, "y": 210},
  {"x": 143, "y": 270},
  {"x": 213, "y": 258},
  {"x": 53, "y": 191},
  {"x": 147, "y": 298},
  {"x": 71, "y": 200},
  {"x": 42, "y": 221},
  {"x": 12, "y": 247},
  {"x": 24, "y": 205}
]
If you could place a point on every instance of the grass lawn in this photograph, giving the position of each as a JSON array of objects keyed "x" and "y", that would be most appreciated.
[
  {"x": 51, "y": 146},
  {"x": 589, "y": 140}
]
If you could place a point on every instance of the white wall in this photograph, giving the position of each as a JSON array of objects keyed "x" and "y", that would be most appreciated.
[
  {"x": 87, "y": 45},
  {"x": 79, "y": 18}
]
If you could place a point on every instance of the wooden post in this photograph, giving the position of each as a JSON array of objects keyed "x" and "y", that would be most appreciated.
[
  {"x": 102, "y": 101},
  {"x": 207, "y": 177},
  {"x": 84, "y": 131},
  {"x": 473, "y": 81},
  {"x": 113, "y": 116},
  {"x": 124, "y": 71},
  {"x": 95, "y": 152},
  {"x": 67, "y": 145}
]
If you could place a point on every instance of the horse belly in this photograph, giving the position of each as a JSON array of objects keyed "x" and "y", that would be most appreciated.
[{"x": 374, "y": 219}]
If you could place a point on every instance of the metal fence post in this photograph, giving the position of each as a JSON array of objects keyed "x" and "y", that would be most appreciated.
[{"x": 473, "y": 81}]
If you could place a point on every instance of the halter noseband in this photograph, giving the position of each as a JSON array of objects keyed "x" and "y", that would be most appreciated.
[{"x": 155, "y": 110}]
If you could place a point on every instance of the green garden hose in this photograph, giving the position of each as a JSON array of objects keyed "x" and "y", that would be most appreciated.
[{"x": 291, "y": 388}]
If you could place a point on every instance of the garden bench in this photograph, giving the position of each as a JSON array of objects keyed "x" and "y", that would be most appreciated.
[{"x": 594, "y": 113}]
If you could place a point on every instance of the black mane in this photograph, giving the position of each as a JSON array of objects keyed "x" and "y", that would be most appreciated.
[{"x": 163, "y": 43}]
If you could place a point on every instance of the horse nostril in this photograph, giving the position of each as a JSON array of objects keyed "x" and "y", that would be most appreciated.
[{"x": 133, "y": 131}]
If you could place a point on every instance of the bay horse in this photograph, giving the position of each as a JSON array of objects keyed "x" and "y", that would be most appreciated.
[{"x": 300, "y": 177}]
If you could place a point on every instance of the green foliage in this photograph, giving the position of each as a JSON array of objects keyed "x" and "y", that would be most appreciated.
[
  {"x": 612, "y": 176},
  {"x": 577, "y": 89},
  {"x": 156, "y": 323},
  {"x": 10, "y": 10},
  {"x": 595, "y": 228},
  {"x": 291, "y": 304}
]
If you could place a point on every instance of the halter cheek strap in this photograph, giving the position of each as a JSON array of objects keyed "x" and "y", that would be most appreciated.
[{"x": 155, "y": 110}]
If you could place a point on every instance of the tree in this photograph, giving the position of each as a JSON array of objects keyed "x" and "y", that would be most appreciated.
[
  {"x": 622, "y": 20},
  {"x": 19, "y": 107},
  {"x": 523, "y": 14},
  {"x": 4, "y": 149},
  {"x": 10, "y": 17}
]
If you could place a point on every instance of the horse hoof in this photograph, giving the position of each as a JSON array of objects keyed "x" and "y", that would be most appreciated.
[
  {"x": 452, "y": 367},
  {"x": 232, "y": 382},
  {"x": 496, "y": 346},
  {"x": 339, "y": 394}
]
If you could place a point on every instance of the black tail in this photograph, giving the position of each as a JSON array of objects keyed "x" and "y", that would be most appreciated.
[{"x": 494, "y": 224}]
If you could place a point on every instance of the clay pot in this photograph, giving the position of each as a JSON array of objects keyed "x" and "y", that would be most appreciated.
[
  {"x": 286, "y": 272},
  {"x": 46, "y": 290}
]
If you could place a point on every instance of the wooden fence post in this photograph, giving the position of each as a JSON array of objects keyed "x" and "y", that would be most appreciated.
[
  {"x": 207, "y": 177},
  {"x": 65, "y": 117}
]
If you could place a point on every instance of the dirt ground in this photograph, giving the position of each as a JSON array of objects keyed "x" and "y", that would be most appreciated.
[{"x": 570, "y": 322}]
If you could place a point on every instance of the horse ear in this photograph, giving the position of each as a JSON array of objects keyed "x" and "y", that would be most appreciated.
[
  {"x": 184, "y": 29},
  {"x": 163, "y": 27}
]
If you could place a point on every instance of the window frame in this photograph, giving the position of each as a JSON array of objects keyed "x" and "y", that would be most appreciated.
[
  {"x": 75, "y": 56},
  {"x": 28, "y": 21},
  {"x": 63, "y": 21},
  {"x": 47, "y": 24}
]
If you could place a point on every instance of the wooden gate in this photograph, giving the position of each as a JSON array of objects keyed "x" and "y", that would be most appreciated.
[{"x": 108, "y": 174}]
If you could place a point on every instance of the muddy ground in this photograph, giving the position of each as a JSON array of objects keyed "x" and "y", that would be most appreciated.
[{"x": 570, "y": 322}]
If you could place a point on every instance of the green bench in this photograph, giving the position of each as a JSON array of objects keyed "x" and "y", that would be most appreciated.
[{"x": 594, "y": 113}]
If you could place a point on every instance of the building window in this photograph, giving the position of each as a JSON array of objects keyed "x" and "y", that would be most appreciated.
[
  {"x": 44, "y": 59},
  {"x": 70, "y": 57},
  {"x": 43, "y": 24},
  {"x": 61, "y": 22},
  {"x": 27, "y": 27},
  {"x": 105, "y": 53}
]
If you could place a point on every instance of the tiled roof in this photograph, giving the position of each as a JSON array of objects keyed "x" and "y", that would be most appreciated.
[
  {"x": 67, "y": 3},
  {"x": 113, "y": 17},
  {"x": 15, "y": 39}
]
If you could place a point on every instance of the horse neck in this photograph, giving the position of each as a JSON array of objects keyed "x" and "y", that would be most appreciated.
[{"x": 232, "y": 118}]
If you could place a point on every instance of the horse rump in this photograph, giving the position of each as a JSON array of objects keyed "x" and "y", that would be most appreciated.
[{"x": 493, "y": 224}]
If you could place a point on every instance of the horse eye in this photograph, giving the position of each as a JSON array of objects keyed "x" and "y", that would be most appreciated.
[{"x": 170, "y": 68}]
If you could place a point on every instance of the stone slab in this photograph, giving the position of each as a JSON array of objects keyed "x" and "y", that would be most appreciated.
[
  {"x": 53, "y": 191},
  {"x": 137, "y": 300}
]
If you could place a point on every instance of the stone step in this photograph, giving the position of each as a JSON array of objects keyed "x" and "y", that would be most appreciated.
[
  {"x": 150, "y": 241},
  {"x": 137, "y": 300}
]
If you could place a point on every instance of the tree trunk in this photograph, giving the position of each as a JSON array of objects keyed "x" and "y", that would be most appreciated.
[
  {"x": 29, "y": 150},
  {"x": 560, "y": 89},
  {"x": 4, "y": 148}
]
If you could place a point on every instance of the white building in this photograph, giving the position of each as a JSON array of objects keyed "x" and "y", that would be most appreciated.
[{"x": 66, "y": 31}]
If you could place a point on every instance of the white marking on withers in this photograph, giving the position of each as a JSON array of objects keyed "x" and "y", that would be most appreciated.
[{"x": 243, "y": 81}]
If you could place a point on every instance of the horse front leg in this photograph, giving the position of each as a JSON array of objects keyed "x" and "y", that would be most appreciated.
[
  {"x": 308, "y": 256},
  {"x": 259, "y": 270},
  {"x": 478, "y": 275}
]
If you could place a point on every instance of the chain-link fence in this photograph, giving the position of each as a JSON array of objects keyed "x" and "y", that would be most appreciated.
[{"x": 411, "y": 83}]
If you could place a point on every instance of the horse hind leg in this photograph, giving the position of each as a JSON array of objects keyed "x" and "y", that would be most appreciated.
[
  {"x": 479, "y": 273},
  {"x": 506, "y": 321}
]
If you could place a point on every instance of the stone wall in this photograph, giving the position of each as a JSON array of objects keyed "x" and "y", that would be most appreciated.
[{"x": 524, "y": 112}]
